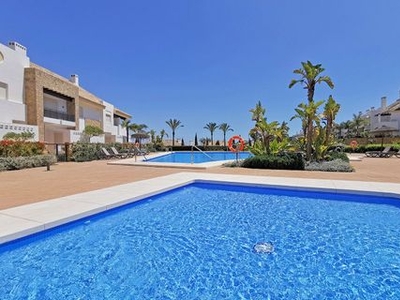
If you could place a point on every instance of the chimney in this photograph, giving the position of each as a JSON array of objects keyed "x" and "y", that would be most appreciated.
[
  {"x": 17, "y": 47},
  {"x": 74, "y": 79},
  {"x": 383, "y": 102}
]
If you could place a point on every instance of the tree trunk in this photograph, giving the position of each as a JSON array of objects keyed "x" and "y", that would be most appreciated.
[{"x": 309, "y": 139}]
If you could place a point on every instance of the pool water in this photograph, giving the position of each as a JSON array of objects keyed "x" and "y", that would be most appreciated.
[
  {"x": 198, "y": 157},
  {"x": 197, "y": 242}
]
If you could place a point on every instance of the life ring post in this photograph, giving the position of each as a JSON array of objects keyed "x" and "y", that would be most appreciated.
[
  {"x": 353, "y": 145},
  {"x": 236, "y": 144}
]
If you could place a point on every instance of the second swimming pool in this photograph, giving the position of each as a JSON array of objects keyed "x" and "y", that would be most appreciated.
[
  {"x": 198, "y": 157},
  {"x": 200, "y": 241}
]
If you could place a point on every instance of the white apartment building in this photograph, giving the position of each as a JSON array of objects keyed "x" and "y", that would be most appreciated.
[
  {"x": 385, "y": 117},
  {"x": 54, "y": 108}
]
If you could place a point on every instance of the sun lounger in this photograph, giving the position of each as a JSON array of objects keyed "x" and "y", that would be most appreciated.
[
  {"x": 384, "y": 153},
  {"x": 138, "y": 151},
  {"x": 106, "y": 154},
  {"x": 118, "y": 154}
]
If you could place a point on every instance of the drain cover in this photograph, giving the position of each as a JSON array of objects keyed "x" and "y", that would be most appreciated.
[{"x": 263, "y": 247}]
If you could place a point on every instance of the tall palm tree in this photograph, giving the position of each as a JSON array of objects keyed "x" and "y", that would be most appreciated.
[
  {"x": 125, "y": 124},
  {"x": 225, "y": 127},
  {"x": 330, "y": 111},
  {"x": 310, "y": 76},
  {"x": 211, "y": 127},
  {"x": 174, "y": 124}
]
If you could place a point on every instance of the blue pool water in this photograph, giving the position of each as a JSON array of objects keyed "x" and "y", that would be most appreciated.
[
  {"x": 198, "y": 157},
  {"x": 196, "y": 242}
]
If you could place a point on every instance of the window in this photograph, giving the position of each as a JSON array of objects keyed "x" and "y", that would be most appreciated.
[
  {"x": 108, "y": 118},
  {"x": 3, "y": 91}
]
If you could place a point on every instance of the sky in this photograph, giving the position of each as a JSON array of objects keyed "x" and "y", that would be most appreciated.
[{"x": 203, "y": 61}]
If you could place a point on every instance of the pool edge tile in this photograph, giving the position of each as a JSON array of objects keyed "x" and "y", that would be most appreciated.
[{"x": 39, "y": 216}]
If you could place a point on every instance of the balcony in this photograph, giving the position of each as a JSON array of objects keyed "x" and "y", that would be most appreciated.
[{"x": 58, "y": 115}]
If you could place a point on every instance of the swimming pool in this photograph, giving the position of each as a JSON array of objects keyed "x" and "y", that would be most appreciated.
[
  {"x": 197, "y": 242},
  {"x": 198, "y": 157}
]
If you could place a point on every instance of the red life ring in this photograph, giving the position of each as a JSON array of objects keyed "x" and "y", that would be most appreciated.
[
  {"x": 353, "y": 144},
  {"x": 236, "y": 146}
]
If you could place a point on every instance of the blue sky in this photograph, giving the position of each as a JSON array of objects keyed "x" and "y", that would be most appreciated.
[{"x": 212, "y": 60}]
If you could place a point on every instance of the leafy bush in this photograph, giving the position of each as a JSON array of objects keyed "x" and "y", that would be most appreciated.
[
  {"x": 18, "y": 163},
  {"x": 337, "y": 155},
  {"x": 85, "y": 151},
  {"x": 23, "y": 136},
  {"x": 337, "y": 165},
  {"x": 283, "y": 161},
  {"x": 10, "y": 148}
]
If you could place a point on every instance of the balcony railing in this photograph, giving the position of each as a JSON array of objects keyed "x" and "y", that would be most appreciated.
[{"x": 58, "y": 115}]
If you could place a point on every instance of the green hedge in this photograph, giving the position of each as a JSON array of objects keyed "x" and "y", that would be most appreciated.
[{"x": 283, "y": 161}]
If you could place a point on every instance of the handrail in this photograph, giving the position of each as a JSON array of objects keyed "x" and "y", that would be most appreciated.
[{"x": 194, "y": 146}]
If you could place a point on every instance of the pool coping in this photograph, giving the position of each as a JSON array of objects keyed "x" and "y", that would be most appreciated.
[
  {"x": 140, "y": 161},
  {"x": 25, "y": 220}
]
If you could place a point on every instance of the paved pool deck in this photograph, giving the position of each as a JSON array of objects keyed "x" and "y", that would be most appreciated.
[{"x": 33, "y": 200}]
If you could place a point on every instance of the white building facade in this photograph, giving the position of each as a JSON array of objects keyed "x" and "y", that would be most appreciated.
[
  {"x": 385, "y": 117},
  {"x": 54, "y": 108},
  {"x": 13, "y": 61}
]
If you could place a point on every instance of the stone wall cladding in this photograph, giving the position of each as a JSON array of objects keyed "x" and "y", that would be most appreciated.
[{"x": 36, "y": 79}]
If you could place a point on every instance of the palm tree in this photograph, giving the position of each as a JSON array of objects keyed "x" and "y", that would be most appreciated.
[
  {"x": 307, "y": 113},
  {"x": 330, "y": 111},
  {"x": 174, "y": 124},
  {"x": 152, "y": 136},
  {"x": 339, "y": 128},
  {"x": 358, "y": 123},
  {"x": 310, "y": 77},
  {"x": 284, "y": 129},
  {"x": 125, "y": 124},
  {"x": 162, "y": 134},
  {"x": 211, "y": 127},
  {"x": 258, "y": 112},
  {"x": 348, "y": 126},
  {"x": 257, "y": 115},
  {"x": 225, "y": 128},
  {"x": 267, "y": 132},
  {"x": 138, "y": 131}
]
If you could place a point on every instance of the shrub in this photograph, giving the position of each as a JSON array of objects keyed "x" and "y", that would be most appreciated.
[
  {"x": 337, "y": 165},
  {"x": 10, "y": 148},
  {"x": 283, "y": 161},
  {"x": 337, "y": 155},
  {"x": 18, "y": 163},
  {"x": 233, "y": 164},
  {"x": 85, "y": 151}
]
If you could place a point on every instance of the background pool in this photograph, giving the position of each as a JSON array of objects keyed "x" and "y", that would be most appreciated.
[
  {"x": 198, "y": 157},
  {"x": 197, "y": 243}
]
